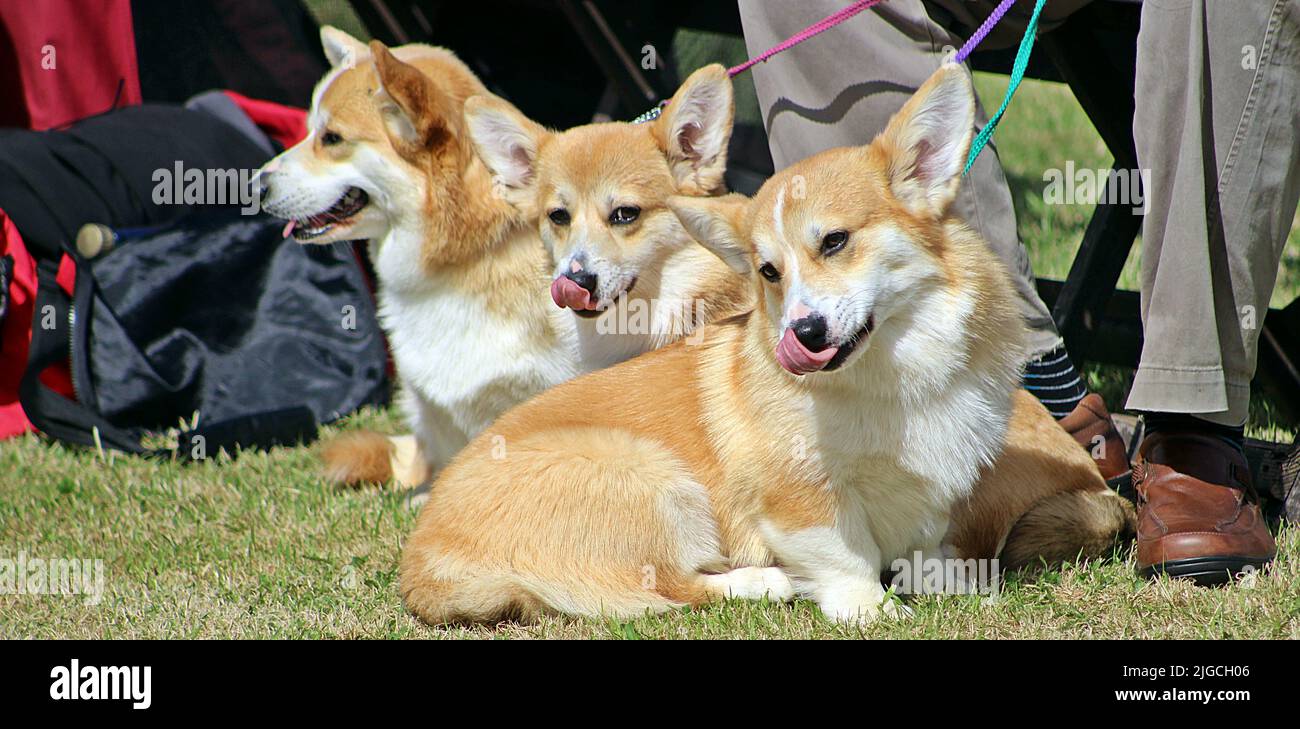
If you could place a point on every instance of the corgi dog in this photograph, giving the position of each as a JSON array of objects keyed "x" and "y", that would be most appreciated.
[
  {"x": 462, "y": 280},
  {"x": 631, "y": 275},
  {"x": 460, "y": 368},
  {"x": 845, "y": 421}
]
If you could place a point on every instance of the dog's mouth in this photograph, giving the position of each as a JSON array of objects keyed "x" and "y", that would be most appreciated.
[
  {"x": 340, "y": 213},
  {"x": 798, "y": 359},
  {"x": 566, "y": 293}
]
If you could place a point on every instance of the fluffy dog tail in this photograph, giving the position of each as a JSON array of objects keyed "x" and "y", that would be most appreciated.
[
  {"x": 366, "y": 457},
  {"x": 1070, "y": 525}
]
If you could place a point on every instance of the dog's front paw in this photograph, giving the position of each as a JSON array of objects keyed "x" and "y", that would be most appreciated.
[{"x": 861, "y": 606}]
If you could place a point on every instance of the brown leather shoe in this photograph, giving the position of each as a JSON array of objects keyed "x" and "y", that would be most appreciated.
[
  {"x": 1092, "y": 428},
  {"x": 1198, "y": 515}
]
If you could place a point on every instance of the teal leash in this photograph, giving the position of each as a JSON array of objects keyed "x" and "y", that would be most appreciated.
[{"x": 1017, "y": 75}]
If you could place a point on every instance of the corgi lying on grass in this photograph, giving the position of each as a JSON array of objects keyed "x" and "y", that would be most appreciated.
[{"x": 866, "y": 408}]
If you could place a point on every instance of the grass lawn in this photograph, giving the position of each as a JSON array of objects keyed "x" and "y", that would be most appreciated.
[{"x": 260, "y": 547}]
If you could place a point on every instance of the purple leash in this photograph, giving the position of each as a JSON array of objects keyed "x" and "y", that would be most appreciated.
[
  {"x": 830, "y": 21},
  {"x": 983, "y": 31}
]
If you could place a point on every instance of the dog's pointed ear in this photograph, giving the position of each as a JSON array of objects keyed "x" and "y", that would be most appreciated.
[
  {"x": 926, "y": 142},
  {"x": 508, "y": 143},
  {"x": 341, "y": 49},
  {"x": 694, "y": 130},
  {"x": 410, "y": 103},
  {"x": 715, "y": 222}
]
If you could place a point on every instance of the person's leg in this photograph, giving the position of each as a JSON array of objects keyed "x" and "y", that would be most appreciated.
[{"x": 1218, "y": 106}]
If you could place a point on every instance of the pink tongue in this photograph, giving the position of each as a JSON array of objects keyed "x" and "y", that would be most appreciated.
[
  {"x": 797, "y": 358},
  {"x": 566, "y": 292},
  {"x": 288, "y": 228}
]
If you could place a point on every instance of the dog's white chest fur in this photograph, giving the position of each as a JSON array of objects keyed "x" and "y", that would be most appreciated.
[
  {"x": 461, "y": 365},
  {"x": 900, "y": 466},
  {"x": 914, "y": 446}
]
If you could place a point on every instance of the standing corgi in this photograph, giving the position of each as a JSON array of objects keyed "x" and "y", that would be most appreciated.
[
  {"x": 462, "y": 280},
  {"x": 797, "y": 448},
  {"x": 620, "y": 261}
]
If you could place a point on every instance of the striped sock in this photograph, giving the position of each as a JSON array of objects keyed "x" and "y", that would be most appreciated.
[{"x": 1052, "y": 379}]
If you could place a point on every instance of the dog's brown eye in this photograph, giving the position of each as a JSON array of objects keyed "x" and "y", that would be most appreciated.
[
  {"x": 329, "y": 139},
  {"x": 769, "y": 272},
  {"x": 624, "y": 215},
  {"x": 559, "y": 216},
  {"x": 833, "y": 242}
]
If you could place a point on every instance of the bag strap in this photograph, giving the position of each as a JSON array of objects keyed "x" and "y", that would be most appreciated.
[
  {"x": 74, "y": 422},
  {"x": 52, "y": 413}
]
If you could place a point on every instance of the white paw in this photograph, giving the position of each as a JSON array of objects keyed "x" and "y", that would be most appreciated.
[
  {"x": 753, "y": 583},
  {"x": 852, "y": 613},
  {"x": 862, "y": 606}
]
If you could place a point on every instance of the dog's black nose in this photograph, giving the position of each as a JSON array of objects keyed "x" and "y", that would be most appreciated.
[
  {"x": 264, "y": 189},
  {"x": 585, "y": 279},
  {"x": 811, "y": 332}
]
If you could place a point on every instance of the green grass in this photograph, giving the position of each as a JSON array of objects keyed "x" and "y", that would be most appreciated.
[{"x": 260, "y": 547}]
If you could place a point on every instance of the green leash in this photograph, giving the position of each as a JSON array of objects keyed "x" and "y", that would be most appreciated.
[{"x": 1017, "y": 75}]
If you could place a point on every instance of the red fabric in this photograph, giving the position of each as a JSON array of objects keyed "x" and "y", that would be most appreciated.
[
  {"x": 67, "y": 61},
  {"x": 285, "y": 124},
  {"x": 16, "y": 330}
]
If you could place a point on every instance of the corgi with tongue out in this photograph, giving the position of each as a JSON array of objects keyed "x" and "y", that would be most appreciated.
[
  {"x": 627, "y": 272},
  {"x": 473, "y": 211},
  {"x": 856, "y": 416}
]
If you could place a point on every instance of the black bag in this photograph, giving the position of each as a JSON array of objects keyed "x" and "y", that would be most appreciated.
[
  {"x": 263, "y": 337},
  {"x": 210, "y": 312}
]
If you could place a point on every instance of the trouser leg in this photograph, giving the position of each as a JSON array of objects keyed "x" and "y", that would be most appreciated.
[{"x": 1217, "y": 114}]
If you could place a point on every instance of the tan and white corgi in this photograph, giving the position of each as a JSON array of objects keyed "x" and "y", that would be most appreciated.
[
  {"x": 462, "y": 280},
  {"x": 632, "y": 276},
  {"x": 798, "y": 448},
  {"x": 461, "y": 368}
]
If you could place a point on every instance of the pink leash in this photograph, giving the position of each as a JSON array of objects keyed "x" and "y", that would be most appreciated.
[
  {"x": 821, "y": 26},
  {"x": 835, "y": 19},
  {"x": 830, "y": 21}
]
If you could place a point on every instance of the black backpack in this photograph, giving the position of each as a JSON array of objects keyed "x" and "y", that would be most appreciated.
[{"x": 207, "y": 317}]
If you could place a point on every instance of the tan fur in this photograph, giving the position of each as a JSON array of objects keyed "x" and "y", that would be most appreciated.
[
  {"x": 1042, "y": 500},
  {"x": 576, "y": 528},
  {"x": 1068, "y": 526},
  {"x": 370, "y": 458},
  {"x": 590, "y": 170},
  {"x": 362, "y": 457}
]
